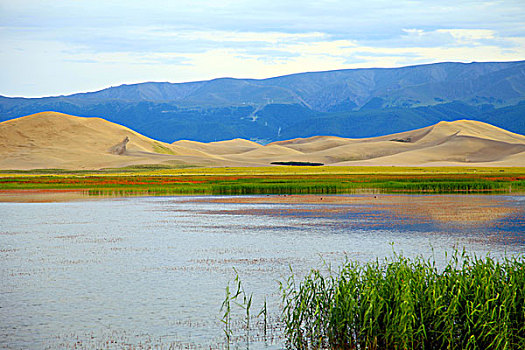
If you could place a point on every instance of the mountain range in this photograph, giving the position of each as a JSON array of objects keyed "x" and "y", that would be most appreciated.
[
  {"x": 345, "y": 103},
  {"x": 58, "y": 141}
]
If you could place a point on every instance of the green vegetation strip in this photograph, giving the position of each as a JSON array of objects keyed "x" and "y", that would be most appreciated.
[
  {"x": 274, "y": 180},
  {"x": 400, "y": 303}
]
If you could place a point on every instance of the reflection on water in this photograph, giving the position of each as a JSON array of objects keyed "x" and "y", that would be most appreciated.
[{"x": 152, "y": 271}]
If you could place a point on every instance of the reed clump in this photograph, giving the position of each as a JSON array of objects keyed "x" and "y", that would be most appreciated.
[{"x": 401, "y": 303}]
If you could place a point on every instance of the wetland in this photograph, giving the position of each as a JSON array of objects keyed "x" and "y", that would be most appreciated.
[{"x": 151, "y": 272}]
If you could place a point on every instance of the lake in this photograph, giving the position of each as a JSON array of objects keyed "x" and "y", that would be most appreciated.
[{"x": 151, "y": 272}]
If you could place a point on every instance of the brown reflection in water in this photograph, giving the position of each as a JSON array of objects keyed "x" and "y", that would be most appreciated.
[
  {"x": 43, "y": 195},
  {"x": 456, "y": 210},
  {"x": 442, "y": 209}
]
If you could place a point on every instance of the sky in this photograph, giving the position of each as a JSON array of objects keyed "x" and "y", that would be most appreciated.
[{"x": 60, "y": 47}]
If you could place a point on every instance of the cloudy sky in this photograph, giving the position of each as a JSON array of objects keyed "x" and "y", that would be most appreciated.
[{"x": 54, "y": 47}]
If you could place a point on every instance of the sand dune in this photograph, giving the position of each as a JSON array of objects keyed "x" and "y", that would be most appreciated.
[
  {"x": 314, "y": 144},
  {"x": 459, "y": 150},
  {"x": 461, "y": 142},
  {"x": 235, "y": 146},
  {"x": 55, "y": 140}
]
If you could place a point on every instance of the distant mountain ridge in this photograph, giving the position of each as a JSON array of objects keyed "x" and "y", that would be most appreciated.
[{"x": 350, "y": 103}]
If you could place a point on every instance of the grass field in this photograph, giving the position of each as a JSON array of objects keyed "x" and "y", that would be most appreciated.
[{"x": 269, "y": 180}]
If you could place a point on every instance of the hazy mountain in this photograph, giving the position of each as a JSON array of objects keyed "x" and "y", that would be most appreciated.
[{"x": 351, "y": 103}]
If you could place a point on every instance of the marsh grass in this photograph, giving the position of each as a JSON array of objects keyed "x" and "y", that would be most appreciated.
[
  {"x": 401, "y": 303},
  {"x": 277, "y": 180}
]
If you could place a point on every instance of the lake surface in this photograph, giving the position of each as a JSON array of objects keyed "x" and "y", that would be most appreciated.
[{"x": 152, "y": 271}]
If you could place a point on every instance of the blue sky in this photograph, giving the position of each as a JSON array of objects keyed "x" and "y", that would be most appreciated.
[{"x": 61, "y": 47}]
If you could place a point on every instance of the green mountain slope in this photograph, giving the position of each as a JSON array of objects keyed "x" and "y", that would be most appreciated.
[{"x": 354, "y": 102}]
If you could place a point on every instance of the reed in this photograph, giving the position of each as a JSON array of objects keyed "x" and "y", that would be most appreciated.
[
  {"x": 233, "y": 181},
  {"x": 240, "y": 325},
  {"x": 241, "y": 299},
  {"x": 401, "y": 303}
]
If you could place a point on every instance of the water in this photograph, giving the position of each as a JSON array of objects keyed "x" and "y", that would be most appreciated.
[{"x": 152, "y": 271}]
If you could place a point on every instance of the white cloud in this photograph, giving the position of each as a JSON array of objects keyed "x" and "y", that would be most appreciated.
[
  {"x": 39, "y": 68},
  {"x": 469, "y": 35},
  {"x": 60, "y": 47},
  {"x": 225, "y": 36}
]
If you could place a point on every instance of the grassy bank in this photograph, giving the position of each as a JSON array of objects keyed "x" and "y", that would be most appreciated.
[
  {"x": 400, "y": 303},
  {"x": 272, "y": 180}
]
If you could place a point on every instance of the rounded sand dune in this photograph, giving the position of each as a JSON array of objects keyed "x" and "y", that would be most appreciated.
[
  {"x": 235, "y": 146},
  {"x": 56, "y": 140}
]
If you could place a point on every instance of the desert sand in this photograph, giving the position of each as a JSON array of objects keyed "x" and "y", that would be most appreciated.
[{"x": 51, "y": 140}]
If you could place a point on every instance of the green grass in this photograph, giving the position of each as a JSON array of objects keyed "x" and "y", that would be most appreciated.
[
  {"x": 272, "y": 180},
  {"x": 399, "y": 303},
  {"x": 159, "y": 148}
]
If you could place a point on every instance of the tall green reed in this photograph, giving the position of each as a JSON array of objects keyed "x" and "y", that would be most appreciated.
[
  {"x": 244, "y": 302},
  {"x": 401, "y": 303}
]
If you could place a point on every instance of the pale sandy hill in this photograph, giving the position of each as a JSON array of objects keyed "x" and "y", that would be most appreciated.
[
  {"x": 360, "y": 151},
  {"x": 456, "y": 143},
  {"x": 315, "y": 143},
  {"x": 442, "y": 131},
  {"x": 457, "y": 150},
  {"x": 477, "y": 129},
  {"x": 267, "y": 152},
  {"x": 433, "y": 134},
  {"x": 55, "y": 140},
  {"x": 235, "y": 146}
]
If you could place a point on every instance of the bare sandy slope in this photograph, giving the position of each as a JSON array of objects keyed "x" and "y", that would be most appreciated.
[
  {"x": 446, "y": 143},
  {"x": 235, "y": 146},
  {"x": 55, "y": 140},
  {"x": 462, "y": 142}
]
